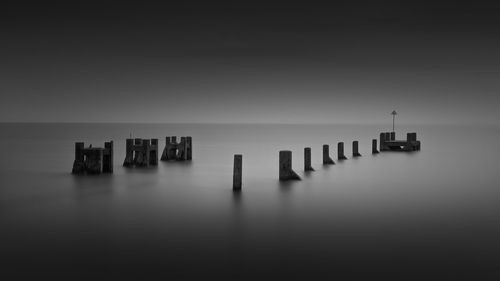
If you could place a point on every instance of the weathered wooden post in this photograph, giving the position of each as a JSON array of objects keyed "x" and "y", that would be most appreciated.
[
  {"x": 355, "y": 149},
  {"x": 107, "y": 165},
  {"x": 138, "y": 152},
  {"x": 146, "y": 146},
  {"x": 388, "y": 136},
  {"x": 237, "y": 172},
  {"x": 153, "y": 154},
  {"x": 129, "y": 153},
  {"x": 307, "y": 159},
  {"x": 164, "y": 155},
  {"x": 94, "y": 160},
  {"x": 182, "y": 150},
  {"x": 374, "y": 146},
  {"x": 382, "y": 142},
  {"x": 189, "y": 155},
  {"x": 172, "y": 151},
  {"x": 285, "y": 166},
  {"x": 327, "y": 160},
  {"x": 79, "y": 163},
  {"x": 340, "y": 151}
]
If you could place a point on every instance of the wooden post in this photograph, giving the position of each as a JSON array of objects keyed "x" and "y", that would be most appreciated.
[
  {"x": 382, "y": 141},
  {"x": 307, "y": 159},
  {"x": 79, "y": 162},
  {"x": 107, "y": 165},
  {"x": 138, "y": 152},
  {"x": 153, "y": 153},
  {"x": 146, "y": 148},
  {"x": 237, "y": 172},
  {"x": 189, "y": 154},
  {"x": 94, "y": 160},
  {"x": 355, "y": 149},
  {"x": 285, "y": 166},
  {"x": 326, "y": 155},
  {"x": 182, "y": 150},
  {"x": 340, "y": 151},
  {"x": 374, "y": 146},
  {"x": 129, "y": 153},
  {"x": 393, "y": 135}
]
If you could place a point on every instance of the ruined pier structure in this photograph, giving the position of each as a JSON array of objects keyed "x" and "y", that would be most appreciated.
[
  {"x": 388, "y": 142},
  {"x": 141, "y": 153},
  {"x": 93, "y": 160},
  {"x": 180, "y": 151}
]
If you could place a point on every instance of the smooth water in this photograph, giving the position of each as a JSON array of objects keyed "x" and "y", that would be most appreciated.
[{"x": 427, "y": 215}]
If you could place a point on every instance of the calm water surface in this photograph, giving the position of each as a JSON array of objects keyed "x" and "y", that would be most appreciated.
[{"x": 428, "y": 215}]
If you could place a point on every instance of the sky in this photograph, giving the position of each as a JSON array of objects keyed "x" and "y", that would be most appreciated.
[{"x": 250, "y": 62}]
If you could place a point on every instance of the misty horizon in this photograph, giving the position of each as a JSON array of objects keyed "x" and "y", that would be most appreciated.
[{"x": 250, "y": 63}]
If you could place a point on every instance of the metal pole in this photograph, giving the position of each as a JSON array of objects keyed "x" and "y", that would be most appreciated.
[{"x": 393, "y": 117}]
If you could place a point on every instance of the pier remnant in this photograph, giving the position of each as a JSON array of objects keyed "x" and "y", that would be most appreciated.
[
  {"x": 285, "y": 166},
  {"x": 388, "y": 143},
  {"x": 340, "y": 151},
  {"x": 307, "y": 159},
  {"x": 141, "y": 152},
  {"x": 237, "y": 172},
  {"x": 327, "y": 160},
  {"x": 179, "y": 151},
  {"x": 93, "y": 160},
  {"x": 374, "y": 146},
  {"x": 355, "y": 149}
]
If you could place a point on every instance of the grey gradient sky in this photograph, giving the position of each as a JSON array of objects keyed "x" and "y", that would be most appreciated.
[{"x": 255, "y": 61}]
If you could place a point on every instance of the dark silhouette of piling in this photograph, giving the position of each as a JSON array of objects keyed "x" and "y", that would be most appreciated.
[
  {"x": 141, "y": 153},
  {"x": 307, "y": 159},
  {"x": 355, "y": 149},
  {"x": 107, "y": 165},
  {"x": 374, "y": 146},
  {"x": 180, "y": 151},
  {"x": 340, "y": 151},
  {"x": 285, "y": 166},
  {"x": 393, "y": 136},
  {"x": 237, "y": 172},
  {"x": 327, "y": 160},
  {"x": 93, "y": 160},
  {"x": 189, "y": 155}
]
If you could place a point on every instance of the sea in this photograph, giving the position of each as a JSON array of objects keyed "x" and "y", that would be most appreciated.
[{"x": 432, "y": 214}]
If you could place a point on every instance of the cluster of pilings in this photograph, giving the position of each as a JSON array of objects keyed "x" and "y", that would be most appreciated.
[
  {"x": 138, "y": 153},
  {"x": 179, "y": 151},
  {"x": 387, "y": 141},
  {"x": 141, "y": 153},
  {"x": 93, "y": 160}
]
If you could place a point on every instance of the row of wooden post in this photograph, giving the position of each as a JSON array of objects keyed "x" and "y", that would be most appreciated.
[{"x": 285, "y": 162}]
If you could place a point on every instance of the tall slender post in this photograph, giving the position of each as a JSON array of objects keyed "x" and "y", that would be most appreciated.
[
  {"x": 374, "y": 146},
  {"x": 237, "y": 172},
  {"x": 393, "y": 113},
  {"x": 307, "y": 159}
]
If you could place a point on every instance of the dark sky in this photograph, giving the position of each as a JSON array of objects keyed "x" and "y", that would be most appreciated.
[{"x": 255, "y": 61}]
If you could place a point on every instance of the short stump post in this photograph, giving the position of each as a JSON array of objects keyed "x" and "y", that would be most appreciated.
[
  {"x": 307, "y": 159},
  {"x": 340, "y": 151},
  {"x": 327, "y": 160},
  {"x": 237, "y": 172},
  {"x": 355, "y": 149},
  {"x": 285, "y": 166}
]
